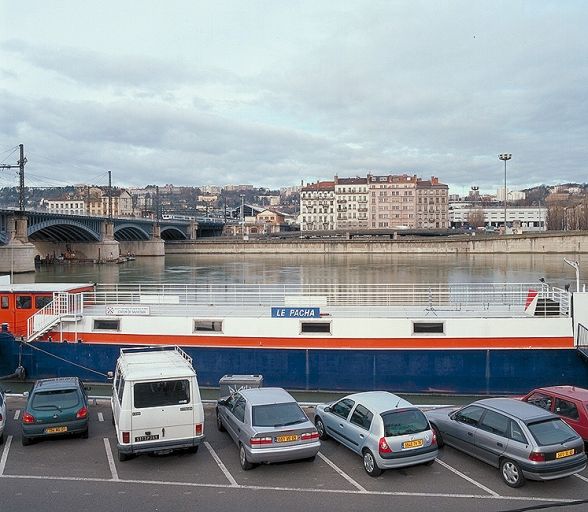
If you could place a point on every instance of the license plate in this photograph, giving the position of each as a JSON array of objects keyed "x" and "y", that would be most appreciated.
[
  {"x": 565, "y": 453},
  {"x": 286, "y": 439},
  {"x": 55, "y": 430},
  {"x": 412, "y": 444},
  {"x": 139, "y": 439}
]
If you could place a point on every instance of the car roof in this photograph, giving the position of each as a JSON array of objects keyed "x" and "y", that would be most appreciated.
[
  {"x": 264, "y": 396},
  {"x": 569, "y": 391},
  {"x": 517, "y": 408},
  {"x": 57, "y": 383},
  {"x": 379, "y": 401}
]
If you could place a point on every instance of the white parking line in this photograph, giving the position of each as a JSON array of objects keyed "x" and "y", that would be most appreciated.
[
  {"x": 220, "y": 464},
  {"x": 4, "y": 457},
  {"x": 110, "y": 458},
  {"x": 465, "y": 477},
  {"x": 342, "y": 473},
  {"x": 16, "y": 414},
  {"x": 582, "y": 477},
  {"x": 100, "y": 416}
]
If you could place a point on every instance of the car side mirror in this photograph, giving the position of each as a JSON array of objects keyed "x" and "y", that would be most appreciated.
[
  {"x": 327, "y": 409},
  {"x": 26, "y": 394}
]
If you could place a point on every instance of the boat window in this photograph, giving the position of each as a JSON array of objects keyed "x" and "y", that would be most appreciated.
[
  {"x": 161, "y": 393},
  {"x": 24, "y": 302},
  {"x": 107, "y": 325},
  {"x": 4, "y": 302},
  {"x": 42, "y": 300},
  {"x": 428, "y": 328},
  {"x": 316, "y": 327},
  {"x": 208, "y": 325}
]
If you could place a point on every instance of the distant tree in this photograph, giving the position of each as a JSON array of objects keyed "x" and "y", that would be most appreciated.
[{"x": 476, "y": 218}]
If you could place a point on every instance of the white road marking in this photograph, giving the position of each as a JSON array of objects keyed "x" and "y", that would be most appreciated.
[
  {"x": 581, "y": 477},
  {"x": 100, "y": 416},
  {"x": 291, "y": 489},
  {"x": 16, "y": 414},
  {"x": 110, "y": 458},
  {"x": 342, "y": 473},
  {"x": 465, "y": 477},
  {"x": 4, "y": 457},
  {"x": 220, "y": 464}
]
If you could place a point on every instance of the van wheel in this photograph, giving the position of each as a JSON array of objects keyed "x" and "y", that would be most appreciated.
[
  {"x": 245, "y": 464},
  {"x": 370, "y": 465},
  {"x": 511, "y": 473},
  {"x": 219, "y": 423},
  {"x": 193, "y": 449},
  {"x": 122, "y": 457}
]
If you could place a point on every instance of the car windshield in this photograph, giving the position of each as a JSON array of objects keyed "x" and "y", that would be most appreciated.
[
  {"x": 277, "y": 415},
  {"x": 553, "y": 431},
  {"x": 55, "y": 399},
  {"x": 400, "y": 423}
]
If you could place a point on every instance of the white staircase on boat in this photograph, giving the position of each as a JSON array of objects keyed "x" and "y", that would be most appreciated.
[{"x": 65, "y": 307}]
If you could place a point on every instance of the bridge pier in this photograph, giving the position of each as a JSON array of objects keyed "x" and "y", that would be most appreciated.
[
  {"x": 18, "y": 256},
  {"x": 107, "y": 250},
  {"x": 154, "y": 247}
]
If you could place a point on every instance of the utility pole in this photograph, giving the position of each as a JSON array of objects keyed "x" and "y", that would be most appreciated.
[
  {"x": 20, "y": 166},
  {"x": 110, "y": 195},
  {"x": 157, "y": 205}
]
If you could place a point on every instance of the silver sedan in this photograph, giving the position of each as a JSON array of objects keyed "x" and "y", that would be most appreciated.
[{"x": 267, "y": 425}]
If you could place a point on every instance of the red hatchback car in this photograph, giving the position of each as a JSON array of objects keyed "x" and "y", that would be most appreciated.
[{"x": 569, "y": 402}]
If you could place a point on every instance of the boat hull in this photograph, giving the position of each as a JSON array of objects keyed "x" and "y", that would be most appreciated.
[{"x": 449, "y": 370}]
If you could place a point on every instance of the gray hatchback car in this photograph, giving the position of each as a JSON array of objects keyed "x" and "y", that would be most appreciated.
[
  {"x": 524, "y": 441},
  {"x": 386, "y": 430},
  {"x": 267, "y": 425}
]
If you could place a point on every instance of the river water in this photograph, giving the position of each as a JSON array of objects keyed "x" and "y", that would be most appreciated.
[{"x": 312, "y": 268}]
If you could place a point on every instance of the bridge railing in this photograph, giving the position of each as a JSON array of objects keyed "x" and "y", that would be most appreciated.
[{"x": 454, "y": 297}]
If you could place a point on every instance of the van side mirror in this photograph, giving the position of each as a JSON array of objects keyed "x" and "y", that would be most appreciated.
[
  {"x": 26, "y": 394},
  {"x": 222, "y": 401},
  {"x": 110, "y": 375}
]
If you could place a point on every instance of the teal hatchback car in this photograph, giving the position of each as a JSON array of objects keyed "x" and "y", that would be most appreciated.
[{"x": 54, "y": 407}]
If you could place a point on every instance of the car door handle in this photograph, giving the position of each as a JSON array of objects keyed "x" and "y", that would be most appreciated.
[
  {"x": 341, "y": 425},
  {"x": 361, "y": 436},
  {"x": 471, "y": 434},
  {"x": 500, "y": 444}
]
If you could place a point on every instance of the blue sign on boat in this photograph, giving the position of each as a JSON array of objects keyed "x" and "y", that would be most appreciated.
[{"x": 296, "y": 312}]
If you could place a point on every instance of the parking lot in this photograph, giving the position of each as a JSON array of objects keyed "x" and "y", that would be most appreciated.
[{"x": 87, "y": 472}]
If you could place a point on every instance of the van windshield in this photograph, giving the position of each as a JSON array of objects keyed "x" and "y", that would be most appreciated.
[{"x": 161, "y": 393}]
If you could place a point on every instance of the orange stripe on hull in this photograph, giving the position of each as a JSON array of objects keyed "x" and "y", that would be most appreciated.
[{"x": 556, "y": 342}]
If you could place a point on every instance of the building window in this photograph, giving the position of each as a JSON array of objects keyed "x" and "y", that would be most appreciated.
[
  {"x": 208, "y": 326},
  {"x": 107, "y": 325}
]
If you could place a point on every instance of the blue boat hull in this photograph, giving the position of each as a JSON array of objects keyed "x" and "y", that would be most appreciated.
[{"x": 409, "y": 371}]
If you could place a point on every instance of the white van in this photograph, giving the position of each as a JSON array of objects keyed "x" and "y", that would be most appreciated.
[{"x": 156, "y": 405}]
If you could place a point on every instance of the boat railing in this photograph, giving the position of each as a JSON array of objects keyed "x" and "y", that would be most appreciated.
[
  {"x": 63, "y": 304},
  {"x": 454, "y": 297}
]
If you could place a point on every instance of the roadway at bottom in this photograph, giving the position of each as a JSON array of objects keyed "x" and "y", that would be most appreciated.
[{"x": 85, "y": 475}]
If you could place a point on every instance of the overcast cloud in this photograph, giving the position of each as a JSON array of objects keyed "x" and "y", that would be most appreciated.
[{"x": 274, "y": 92}]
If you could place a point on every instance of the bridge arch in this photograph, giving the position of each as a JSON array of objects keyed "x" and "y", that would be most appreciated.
[
  {"x": 128, "y": 232},
  {"x": 172, "y": 233},
  {"x": 62, "y": 230}
]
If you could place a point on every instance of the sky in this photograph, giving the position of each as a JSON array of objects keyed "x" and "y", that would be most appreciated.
[{"x": 272, "y": 93}]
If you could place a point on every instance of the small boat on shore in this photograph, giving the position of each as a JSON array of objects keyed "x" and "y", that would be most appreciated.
[{"x": 443, "y": 338}]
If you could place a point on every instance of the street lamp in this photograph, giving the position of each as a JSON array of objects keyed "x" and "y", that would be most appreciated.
[{"x": 504, "y": 157}]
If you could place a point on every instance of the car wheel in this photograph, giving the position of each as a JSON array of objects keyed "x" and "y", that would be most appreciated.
[
  {"x": 320, "y": 427},
  {"x": 84, "y": 434},
  {"x": 440, "y": 442},
  {"x": 370, "y": 465},
  {"x": 112, "y": 418},
  {"x": 219, "y": 422},
  {"x": 26, "y": 441},
  {"x": 511, "y": 473},
  {"x": 245, "y": 464},
  {"x": 2, "y": 438},
  {"x": 310, "y": 459},
  {"x": 122, "y": 457}
]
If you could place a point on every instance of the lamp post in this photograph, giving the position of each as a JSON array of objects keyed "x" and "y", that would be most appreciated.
[
  {"x": 504, "y": 157},
  {"x": 242, "y": 217}
]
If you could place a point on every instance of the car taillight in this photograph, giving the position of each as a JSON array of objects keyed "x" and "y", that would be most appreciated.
[
  {"x": 82, "y": 413},
  {"x": 308, "y": 436},
  {"x": 28, "y": 418},
  {"x": 199, "y": 429},
  {"x": 434, "y": 440},
  {"x": 537, "y": 457},
  {"x": 126, "y": 437},
  {"x": 0, "y": 416},
  {"x": 383, "y": 446},
  {"x": 258, "y": 441}
]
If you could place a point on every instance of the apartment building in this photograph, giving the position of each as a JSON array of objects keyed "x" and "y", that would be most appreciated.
[
  {"x": 65, "y": 206},
  {"x": 317, "y": 206},
  {"x": 392, "y": 201},
  {"x": 432, "y": 204},
  {"x": 351, "y": 202}
]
